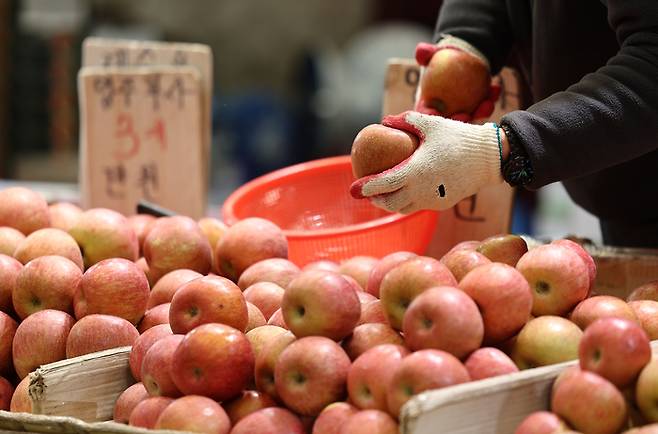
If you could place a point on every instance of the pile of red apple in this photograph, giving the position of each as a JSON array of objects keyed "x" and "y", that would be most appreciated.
[{"x": 227, "y": 335}]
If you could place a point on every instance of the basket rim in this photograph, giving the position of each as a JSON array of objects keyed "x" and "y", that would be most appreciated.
[{"x": 229, "y": 217}]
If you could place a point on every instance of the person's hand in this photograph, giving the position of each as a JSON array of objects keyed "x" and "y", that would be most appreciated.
[{"x": 453, "y": 161}]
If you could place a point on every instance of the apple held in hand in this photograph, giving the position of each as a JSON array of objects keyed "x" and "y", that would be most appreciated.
[
  {"x": 377, "y": 148},
  {"x": 546, "y": 340},
  {"x": 23, "y": 209},
  {"x": 99, "y": 332},
  {"x": 49, "y": 241},
  {"x": 194, "y": 414}
]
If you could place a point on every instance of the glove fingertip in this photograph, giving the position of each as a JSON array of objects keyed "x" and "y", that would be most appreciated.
[
  {"x": 356, "y": 189},
  {"x": 424, "y": 53}
]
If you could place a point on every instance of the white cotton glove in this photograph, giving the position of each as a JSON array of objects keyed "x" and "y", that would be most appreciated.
[{"x": 453, "y": 161}]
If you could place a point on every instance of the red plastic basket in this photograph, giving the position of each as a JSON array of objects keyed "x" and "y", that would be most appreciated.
[{"x": 311, "y": 203}]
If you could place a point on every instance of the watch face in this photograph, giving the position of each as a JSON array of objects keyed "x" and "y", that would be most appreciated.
[{"x": 518, "y": 170}]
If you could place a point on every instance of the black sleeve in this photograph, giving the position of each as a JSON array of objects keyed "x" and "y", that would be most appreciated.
[{"x": 610, "y": 116}]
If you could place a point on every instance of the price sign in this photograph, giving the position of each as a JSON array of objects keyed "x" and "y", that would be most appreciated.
[{"x": 141, "y": 138}]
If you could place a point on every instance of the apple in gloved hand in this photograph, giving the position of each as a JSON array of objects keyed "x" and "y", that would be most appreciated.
[{"x": 377, "y": 148}]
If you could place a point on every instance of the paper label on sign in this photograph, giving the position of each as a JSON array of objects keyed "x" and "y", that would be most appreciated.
[{"x": 141, "y": 138}]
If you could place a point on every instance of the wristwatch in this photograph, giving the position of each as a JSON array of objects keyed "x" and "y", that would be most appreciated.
[{"x": 517, "y": 169}]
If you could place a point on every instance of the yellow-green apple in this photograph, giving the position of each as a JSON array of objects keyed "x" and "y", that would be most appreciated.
[
  {"x": 420, "y": 371},
  {"x": 20, "y": 400},
  {"x": 310, "y": 374},
  {"x": 406, "y": 281},
  {"x": 213, "y": 360},
  {"x": 155, "y": 316},
  {"x": 248, "y": 402},
  {"x": 261, "y": 336},
  {"x": 246, "y": 242},
  {"x": 112, "y": 287},
  {"x": 23, "y": 209},
  {"x": 648, "y": 291},
  {"x": 646, "y": 312},
  {"x": 163, "y": 291},
  {"x": 49, "y": 241},
  {"x": 267, "y": 360},
  {"x": 601, "y": 306},
  {"x": 322, "y": 264},
  {"x": 277, "y": 319},
  {"x": 194, "y": 413},
  {"x": 504, "y": 299},
  {"x": 266, "y": 296},
  {"x": 146, "y": 412},
  {"x": 541, "y": 422},
  {"x": 97, "y": 332},
  {"x": 505, "y": 248},
  {"x": 63, "y": 215},
  {"x": 209, "y": 299},
  {"x": 383, "y": 266},
  {"x": 615, "y": 348},
  {"x": 546, "y": 340},
  {"x": 589, "y": 403},
  {"x": 10, "y": 238},
  {"x": 102, "y": 234},
  {"x": 332, "y": 417},
  {"x": 6, "y": 392},
  {"x": 461, "y": 261},
  {"x": 142, "y": 344},
  {"x": 255, "y": 318},
  {"x": 489, "y": 362},
  {"x": 558, "y": 277},
  {"x": 213, "y": 229},
  {"x": 586, "y": 257},
  {"x": 320, "y": 303},
  {"x": 156, "y": 367},
  {"x": 47, "y": 282},
  {"x": 366, "y": 336},
  {"x": 359, "y": 268},
  {"x": 357, "y": 287},
  {"x": 369, "y": 376},
  {"x": 370, "y": 421},
  {"x": 174, "y": 243},
  {"x": 372, "y": 312},
  {"x": 9, "y": 269},
  {"x": 443, "y": 318},
  {"x": 270, "y": 420},
  {"x": 40, "y": 339},
  {"x": 646, "y": 391},
  {"x": 279, "y": 271},
  {"x": 8, "y": 328},
  {"x": 127, "y": 401},
  {"x": 141, "y": 223}
]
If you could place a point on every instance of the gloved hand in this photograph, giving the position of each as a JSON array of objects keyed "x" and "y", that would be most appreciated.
[
  {"x": 453, "y": 161},
  {"x": 424, "y": 54}
]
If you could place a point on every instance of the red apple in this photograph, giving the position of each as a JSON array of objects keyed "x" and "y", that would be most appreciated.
[
  {"x": 646, "y": 391},
  {"x": 40, "y": 339},
  {"x": 266, "y": 296},
  {"x": 383, "y": 266},
  {"x": 49, "y": 241},
  {"x": 8, "y": 328},
  {"x": 589, "y": 261},
  {"x": 271, "y": 420},
  {"x": 364, "y": 297},
  {"x": 601, "y": 306},
  {"x": 541, "y": 422},
  {"x": 154, "y": 316},
  {"x": 558, "y": 277},
  {"x": 9, "y": 270},
  {"x": 408, "y": 280},
  {"x": 266, "y": 361},
  {"x": 20, "y": 400},
  {"x": 359, "y": 268},
  {"x": 615, "y": 348},
  {"x": 589, "y": 403},
  {"x": 279, "y": 271},
  {"x": 372, "y": 312},
  {"x": 648, "y": 291},
  {"x": 647, "y": 313},
  {"x": 320, "y": 303},
  {"x": 156, "y": 367},
  {"x": 64, "y": 215},
  {"x": 261, "y": 336},
  {"x": 322, "y": 264},
  {"x": 246, "y": 242},
  {"x": 103, "y": 234},
  {"x": 371, "y": 422},
  {"x": 367, "y": 336},
  {"x": 505, "y": 248},
  {"x": 546, "y": 340},
  {"x": 420, "y": 371},
  {"x": 47, "y": 282},
  {"x": 194, "y": 414},
  {"x": 213, "y": 360},
  {"x": 331, "y": 419},
  {"x": 141, "y": 224},
  {"x": 370, "y": 375},
  {"x": 127, "y": 401},
  {"x": 146, "y": 412},
  {"x": 357, "y": 287},
  {"x": 163, "y": 291},
  {"x": 209, "y": 299},
  {"x": 23, "y": 209},
  {"x": 277, "y": 319},
  {"x": 144, "y": 267},
  {"x": 142, "y": 345},
  {"x": 6, "y": 392},
  {"x": 461, "y": 261},
  {"x": 443, "y": 318},
  {"x": 256, "y": 318},
  {"x": 99, "y": 332},
  {"x": 310, "y": 374},
  {"x": 247, "y": 403},
  {"x": 489, "y": 362},
  {"x": 10, "y": 238},
  {"x": 503, "y": 296},
  {"x": 465, "y": 245}
]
